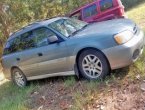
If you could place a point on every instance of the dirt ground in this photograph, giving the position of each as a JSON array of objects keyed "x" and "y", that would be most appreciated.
[{"x": 54, "y": 95}]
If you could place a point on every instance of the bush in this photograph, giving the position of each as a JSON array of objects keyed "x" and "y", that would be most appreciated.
[
  {"x": 130, "y": 3},
  {"x": 1, "y": 51}
]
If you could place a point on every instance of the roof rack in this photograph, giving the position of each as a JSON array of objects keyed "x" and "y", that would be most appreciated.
[
  {"x": 52, "y": 17},
  {"x": 24, "y": 28}
]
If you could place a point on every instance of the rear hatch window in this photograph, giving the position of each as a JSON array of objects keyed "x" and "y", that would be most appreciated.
[
  {"x": 105, "y": 4},
  {"x": 90, "y": 11}
]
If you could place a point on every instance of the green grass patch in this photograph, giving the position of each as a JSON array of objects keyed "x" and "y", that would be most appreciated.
[
  {"x": 92, "y": 85},
  {"x": 70, "y": 81},
  {"x": 13, "y": 97},
  {"x": 137, "y": 14}
]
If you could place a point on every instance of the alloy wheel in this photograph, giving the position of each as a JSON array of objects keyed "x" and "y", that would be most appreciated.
[
  {"x": 19, "y": 79},
  {"x": 92, "y": 66}
]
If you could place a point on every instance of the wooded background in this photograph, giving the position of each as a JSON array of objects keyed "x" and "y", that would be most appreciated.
[{"x": 15, "y": 14}]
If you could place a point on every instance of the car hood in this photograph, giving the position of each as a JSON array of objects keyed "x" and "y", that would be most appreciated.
[{"x": 110, "y": 27}]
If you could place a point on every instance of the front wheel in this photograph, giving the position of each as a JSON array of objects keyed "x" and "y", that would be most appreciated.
[
  {"x": 93, "y": 65},
  {"x": 18, "y": 77}
]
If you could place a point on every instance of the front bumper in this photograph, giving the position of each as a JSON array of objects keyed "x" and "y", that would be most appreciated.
[{"x": 125, "y": 54}]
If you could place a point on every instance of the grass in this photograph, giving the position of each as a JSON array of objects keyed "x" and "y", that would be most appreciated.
[
  {"x": 79, "y": 101},
  {"x": 13, "y": 97},
  {"x": 137, "y": 14},
  {"x": 70, "y": 81},
  {"x": 92, "y": 85}
]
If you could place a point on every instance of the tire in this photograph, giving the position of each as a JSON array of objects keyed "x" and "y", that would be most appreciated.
[
  {"x": 18, "y": 77},
  {"x": 93, "y": 65}
]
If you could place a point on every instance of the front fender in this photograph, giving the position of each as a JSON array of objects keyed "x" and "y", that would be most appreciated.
[{"x": 83, "y": 46}]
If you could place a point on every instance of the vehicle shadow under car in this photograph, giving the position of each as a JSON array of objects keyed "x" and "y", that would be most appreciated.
[{"x": 118, "y": 74}]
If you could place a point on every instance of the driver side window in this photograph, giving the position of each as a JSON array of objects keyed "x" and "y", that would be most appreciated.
[{"x": 42, "y": 35}]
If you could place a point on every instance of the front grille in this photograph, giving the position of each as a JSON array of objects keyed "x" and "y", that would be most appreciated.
[{"x": 136, "y": 54}]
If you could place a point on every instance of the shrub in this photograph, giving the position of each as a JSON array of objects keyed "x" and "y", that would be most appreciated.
[{"x": 131, "y": 3}]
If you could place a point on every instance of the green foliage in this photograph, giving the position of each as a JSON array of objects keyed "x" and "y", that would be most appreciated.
[{"x": 131, "y": 3}]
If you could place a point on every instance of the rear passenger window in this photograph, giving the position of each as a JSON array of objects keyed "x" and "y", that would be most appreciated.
[
  {"x": 90, "y": 11},
  {"x": 105, "y": 4},
  {"x": 28, "y": 41},
  {"x": 23, "y": 42},
  {"x": 12, "y": 46},
  {"x": 42, "y": 35}
]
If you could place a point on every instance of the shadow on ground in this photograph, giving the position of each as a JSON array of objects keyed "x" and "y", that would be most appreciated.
[{"x": 119, "y": 73}]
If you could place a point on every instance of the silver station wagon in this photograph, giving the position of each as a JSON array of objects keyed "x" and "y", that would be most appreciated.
[{"x": 62, "y": 46}]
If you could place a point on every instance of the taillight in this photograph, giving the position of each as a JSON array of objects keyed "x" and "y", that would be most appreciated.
[{"x": 121, "y": 12}]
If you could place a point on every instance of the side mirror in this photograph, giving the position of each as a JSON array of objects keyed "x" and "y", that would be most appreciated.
[{"x": 53, "y": 39}]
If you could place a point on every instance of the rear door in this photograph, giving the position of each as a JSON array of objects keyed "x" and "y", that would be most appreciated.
[{"x": 27, "y": 57}]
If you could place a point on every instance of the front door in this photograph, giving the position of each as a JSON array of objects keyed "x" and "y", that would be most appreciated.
[{"x": 51, "y": 56}]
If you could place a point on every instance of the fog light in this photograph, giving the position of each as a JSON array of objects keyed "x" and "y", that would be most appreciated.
[{"x": 136, "y": 54}]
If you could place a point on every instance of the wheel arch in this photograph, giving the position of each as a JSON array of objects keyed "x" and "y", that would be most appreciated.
[
  {"x": 22, "y": 75},
  {"x": 88, "y": 48},
  {"x": 13, "y": 67}
]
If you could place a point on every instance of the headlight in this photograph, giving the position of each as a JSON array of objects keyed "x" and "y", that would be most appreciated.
[{"x": 123, "y": 37}]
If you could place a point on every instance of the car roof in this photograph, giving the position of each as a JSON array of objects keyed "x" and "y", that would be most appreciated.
[{"x": 32, "y": 26}]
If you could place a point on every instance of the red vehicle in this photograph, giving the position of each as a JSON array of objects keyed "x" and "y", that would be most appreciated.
[{"x": 100, "y": 10}]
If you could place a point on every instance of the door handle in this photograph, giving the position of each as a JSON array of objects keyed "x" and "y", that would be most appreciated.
[
  {"x": 18, "y": 59},
  {"x": 40, "y": 54}
]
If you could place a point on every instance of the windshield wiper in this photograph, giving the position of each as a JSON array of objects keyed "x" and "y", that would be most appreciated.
[
  {"x": 85, "y": 26},
  {"x": 74, "y": 33}
]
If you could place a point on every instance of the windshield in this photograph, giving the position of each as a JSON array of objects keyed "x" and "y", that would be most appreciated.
[{"x": 67, "y": 26}]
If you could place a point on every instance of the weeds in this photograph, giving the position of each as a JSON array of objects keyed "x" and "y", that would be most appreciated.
[{"x": 70, "y": 81}]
